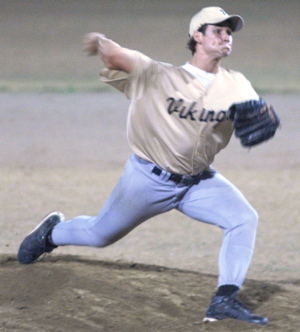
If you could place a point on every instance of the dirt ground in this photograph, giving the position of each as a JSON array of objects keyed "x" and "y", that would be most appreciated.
[
  {"x": 65, "y": 151},
  {"x": 59, "y": 153}
]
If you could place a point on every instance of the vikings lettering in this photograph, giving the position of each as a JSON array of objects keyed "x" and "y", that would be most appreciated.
[{"x": 189, "y": 112}]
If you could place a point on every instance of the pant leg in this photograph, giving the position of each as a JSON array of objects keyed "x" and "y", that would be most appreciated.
[
  {"x": 219, "y": 202},
  {"x": 138, "y": 196}
]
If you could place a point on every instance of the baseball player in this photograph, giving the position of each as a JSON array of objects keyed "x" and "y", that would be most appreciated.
[{"x": 179, "y": 119}]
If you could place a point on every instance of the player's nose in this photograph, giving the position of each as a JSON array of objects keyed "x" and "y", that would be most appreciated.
[{"x": 225, "y": 36}]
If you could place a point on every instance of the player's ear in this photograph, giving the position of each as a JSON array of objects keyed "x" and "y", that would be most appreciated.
[{"x": 198, "y": 37}]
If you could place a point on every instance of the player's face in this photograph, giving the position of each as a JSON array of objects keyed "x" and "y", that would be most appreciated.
[{"x": 217, "y": 40}]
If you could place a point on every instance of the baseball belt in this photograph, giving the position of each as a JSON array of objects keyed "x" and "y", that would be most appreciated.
[{"x": 186, "y": 179}]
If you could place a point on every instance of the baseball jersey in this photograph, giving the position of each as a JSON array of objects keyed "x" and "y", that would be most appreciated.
[{"x": 174, "y": 121}]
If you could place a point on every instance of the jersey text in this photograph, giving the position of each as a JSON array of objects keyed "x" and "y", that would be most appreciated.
[{"x": 184, "y": 111}]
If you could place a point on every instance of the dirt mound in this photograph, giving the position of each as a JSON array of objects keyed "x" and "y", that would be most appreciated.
[{"x": 71, "y": 293}]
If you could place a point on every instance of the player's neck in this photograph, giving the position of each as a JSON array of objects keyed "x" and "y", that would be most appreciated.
[{"x": 206, "y": 64}]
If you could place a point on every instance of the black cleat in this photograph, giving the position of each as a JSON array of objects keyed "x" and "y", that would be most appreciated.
[
  {"x": 229, "y": 307},
  {"x": 36, "y": 243}
]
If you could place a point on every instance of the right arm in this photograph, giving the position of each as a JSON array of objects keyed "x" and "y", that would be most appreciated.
[{"x": 112, "y": 54}]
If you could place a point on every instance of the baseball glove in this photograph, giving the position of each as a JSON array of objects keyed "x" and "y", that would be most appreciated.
[{"x": 254, "y": 121}]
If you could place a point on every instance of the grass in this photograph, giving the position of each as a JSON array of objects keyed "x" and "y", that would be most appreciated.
[
  {"x": 52, "y": 86},
  {"x": 73, "y": 86}
]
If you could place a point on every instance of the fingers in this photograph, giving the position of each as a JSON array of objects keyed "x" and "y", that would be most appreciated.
[{"x": 91, "y": 43}]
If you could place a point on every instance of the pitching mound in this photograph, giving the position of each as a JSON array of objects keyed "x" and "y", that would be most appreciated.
[{"x": 71, "y": 293}]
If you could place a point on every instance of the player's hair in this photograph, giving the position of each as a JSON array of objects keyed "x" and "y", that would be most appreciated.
[{"x": 191, "y": 44}]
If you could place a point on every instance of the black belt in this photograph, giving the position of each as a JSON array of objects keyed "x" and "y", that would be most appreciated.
[{"x": 186, "y": 180}]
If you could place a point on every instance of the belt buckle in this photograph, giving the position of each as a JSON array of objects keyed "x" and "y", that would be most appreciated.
[
  {"x": 183, "y": 180},
  {"x": 186, "y": 179},
  {"x": 177, "y": 178}
]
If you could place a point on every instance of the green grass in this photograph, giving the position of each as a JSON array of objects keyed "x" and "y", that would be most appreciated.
[
  {"x": 72, "y": 86},
  {"x": 52, "y": 86}
]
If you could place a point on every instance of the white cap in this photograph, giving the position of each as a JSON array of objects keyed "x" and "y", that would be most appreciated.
[{"x": 214, "y": 15}]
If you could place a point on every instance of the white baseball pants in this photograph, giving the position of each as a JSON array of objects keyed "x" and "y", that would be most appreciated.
[{"x": 140, "y": 194}]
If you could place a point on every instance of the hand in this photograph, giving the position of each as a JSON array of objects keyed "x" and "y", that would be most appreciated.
[{"x": 92, "y": 43}]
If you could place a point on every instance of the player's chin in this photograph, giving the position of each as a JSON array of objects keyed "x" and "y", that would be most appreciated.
[{"x": 226, "y": 52}]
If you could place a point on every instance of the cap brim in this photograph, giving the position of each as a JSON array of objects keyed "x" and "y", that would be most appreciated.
[{"x": 236, "y": 22}]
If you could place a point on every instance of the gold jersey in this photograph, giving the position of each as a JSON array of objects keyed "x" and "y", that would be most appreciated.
[{"x": 173, "y": 120}]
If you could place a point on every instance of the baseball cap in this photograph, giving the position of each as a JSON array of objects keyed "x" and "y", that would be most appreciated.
[{"x": 214, "y": 15}]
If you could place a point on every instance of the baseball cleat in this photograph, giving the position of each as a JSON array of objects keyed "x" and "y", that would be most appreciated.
[
  {"x": 229, "y": 307},
  {"x": 37, "y": 243}
]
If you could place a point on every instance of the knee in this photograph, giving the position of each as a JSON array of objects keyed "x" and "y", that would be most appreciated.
[
  {"x": 245, "y": 218},
  {"x": 251, "y": 218},
  {"x": 102, "y": 240},
  {"x": 243, "y": 231},
  {"x": 248, "y": 221}
]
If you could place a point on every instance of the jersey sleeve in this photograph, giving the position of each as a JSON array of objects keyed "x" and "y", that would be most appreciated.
[{"x": 133, "y": 85}]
